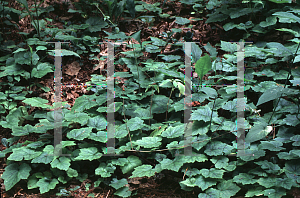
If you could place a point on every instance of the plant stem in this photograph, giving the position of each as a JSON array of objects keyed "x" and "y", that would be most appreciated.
[
  {"x": 37, "y": 24},
  {"x": 105, "y": 16}
]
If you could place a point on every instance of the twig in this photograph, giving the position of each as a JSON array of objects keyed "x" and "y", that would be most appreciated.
[
  {"x": 107, "y": 194},
  {"x": 184, "y": 174}
]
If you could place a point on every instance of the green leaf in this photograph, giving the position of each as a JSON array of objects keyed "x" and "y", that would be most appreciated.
[
  {"x": 135, "y": 124},
  {"x": 196, "y": 52},
  {"x": 169, "y": 58},
  {"x": 173, "y": 165},
  {"x": 123, "y": 192},
  {"x": 269, "y": 167},
  {"x": 203, "y": 113},
  {"x": 274, "y": 193},
  {"x": 62, "y": 163},
  {"x": 203, "y": 65},
  {"x": 287, "y": 17},
  {"x": 41, "y": 23},
  {"x": 158, "y": 131},
  {"x": 22, "y": 130},
  {"x": 24, "y": 2},
  {"x": 142, "y": 171},
  {"x": 149, "y": 142},
  {"x": 255, "y": 192},
  {"x": 258, "y": 132},
  {"x": 133, "y": 54},
  {"x": 237, "y": 12},
  {"x": 137, "y": 36},
  {"x": 121, "y": 131},
  {"x": 143, "y": 113},
  {"x": 180, "y": 87},
  {"x": 216, "y": 148},
  {"x": 90, "y": 154},
  {"x": 297, "y": 59},
  {"x": 152, "y": 49},
  {"x": 44, "y": 158},
  {"x": 72, "y": 172},
  {"x": 173, "y": 132},
  {"x": 280, "y": 49},
  {"x": 120, "y": 35},
  {"x": 63, "y": 36},
  {"x": 4, "y": 142},
  {"x": 117, "y": 184},
  {"x": 272, "y": 146},
  {"x": 296, "y": 138},
  {"x": 220, "y": 162},
  {"x": 157, "y": 41},
  {"x": 23, "y": 152},
  {"x": 228, "y": 189},
  {"x": 86, "y": 102},
  {"x": 131, "y": 162},
  {"x": 96, "y": 24},
  {"x": 273, "y": 93},
  {"x": 295, "y": 33},
  {"x": 291, "y": 120},
  {"x": 119, "y": 9},
  {"x": 212, "y": 173},
  {"x": 46, "y": 184},
  {"x": 189, "y": 2},
  {"x": 14, "y": 173},
  {"x": 229, "y": 26},
  {"x": 81, "y": 118},
  {"x": 80, "y": 134},
  {"x": 63, "y": 53},
  {"x": 131, "y": 7},
  {"x": 271, "y": 20},
  {"x": 281, "y": 1},
  {"x": 211, "y": 50},
  {"x": 244, "y": 178},
  {"x": 252, "y": 153},
  {"x": 159, "y": 104},
  {"x": 98, "y": 122},
  {"x": 35, "y": 41},
  {"x": 105, "y": 170},
  {"x": 216, "y": 17},
  {"x": 41, "y": 70},
  {"x": 292, "y": 167},
  {"x": 37, "y": 102},
  {"x": 264, "y": 86},
  {"x": 100, "y": 136},
  {"x": 199, "y": 181},
  {"x": 182, "y": 21},
  {"x": 228, "y": 47},
  {"x": 212, "y": 93},
  {"x": 32, "y": 180}
]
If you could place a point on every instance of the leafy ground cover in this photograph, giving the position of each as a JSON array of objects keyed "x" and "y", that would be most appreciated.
[{"x": 149, "y": 98}]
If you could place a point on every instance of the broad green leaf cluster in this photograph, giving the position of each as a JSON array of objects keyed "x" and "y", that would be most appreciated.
[{"x": 150, "y": 122}]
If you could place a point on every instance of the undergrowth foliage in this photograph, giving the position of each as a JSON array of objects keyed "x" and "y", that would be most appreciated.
[{"x": 149, "y": 107}]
